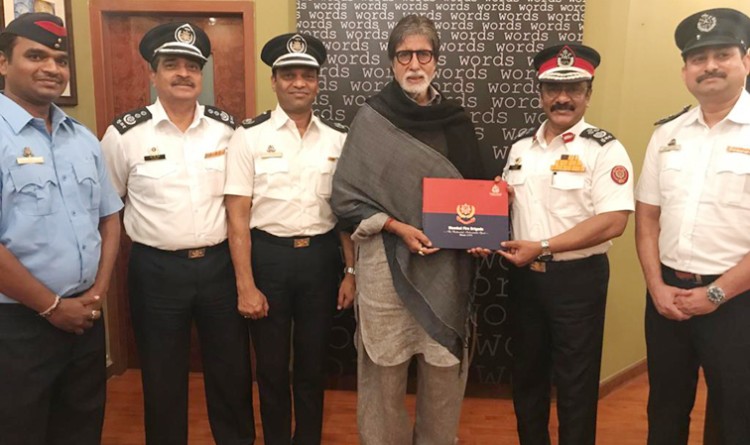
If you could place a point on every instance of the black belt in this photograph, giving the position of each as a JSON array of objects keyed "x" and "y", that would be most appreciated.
[
  {"x": 77, "y": 294},
  {"x": 191, "y": 254},
  {"x": 296, "y": 242},
  {"x": 690, "y": 277},
  {"x": 550, "y": 266}
]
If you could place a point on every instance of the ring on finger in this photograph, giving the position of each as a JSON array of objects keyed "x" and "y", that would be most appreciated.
[{"x": 95, "y": 314}]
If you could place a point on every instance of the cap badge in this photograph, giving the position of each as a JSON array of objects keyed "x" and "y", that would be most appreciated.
[
  {"x": 706, "y": 23},
  {"x": 296, "y": 44},
  {"x": 185, "y": 34},
  {"x": 565, "y": 57}
]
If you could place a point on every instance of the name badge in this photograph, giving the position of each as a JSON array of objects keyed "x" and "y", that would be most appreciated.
[
  {"x": 29, "y": 158},
  {"x": 516, "y": 165},
  {"x": 671, "y": 146},
  {"x": 216, "y": 154},
  {"x": 739, "y": 150},
  {"x": 272, "y": 154},
  {"x": 154, "y": 155}
]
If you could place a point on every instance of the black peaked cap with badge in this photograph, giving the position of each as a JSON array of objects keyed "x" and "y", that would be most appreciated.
[
  {"x": 41, "y": 27},
  {"x": 719, "y": 26},
  {"x": 177, "y": 39},
  {"x": 294, "y": 49},
  {"x": 566, "y": 62}
]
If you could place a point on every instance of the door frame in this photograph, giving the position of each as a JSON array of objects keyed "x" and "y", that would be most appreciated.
[
  {"x": 117, "y": 361},
  {"x": 103, "y": 99}
]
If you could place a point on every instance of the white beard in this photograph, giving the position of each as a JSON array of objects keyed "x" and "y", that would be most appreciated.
[{"x": 416, "y": 89}]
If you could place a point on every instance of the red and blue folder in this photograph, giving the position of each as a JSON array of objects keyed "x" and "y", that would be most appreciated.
[{"x": 465, "y": 213}]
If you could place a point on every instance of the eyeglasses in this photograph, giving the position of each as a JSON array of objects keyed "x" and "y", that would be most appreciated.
[
  {"x": 423, "y": 56},
  {"x": 572, "y": 90}
]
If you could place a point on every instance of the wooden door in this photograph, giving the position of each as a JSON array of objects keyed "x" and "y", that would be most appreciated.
[{"x": 122, "y": 84}]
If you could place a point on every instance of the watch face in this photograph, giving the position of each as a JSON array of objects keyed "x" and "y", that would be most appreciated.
[{"x": 715, "y": 295}]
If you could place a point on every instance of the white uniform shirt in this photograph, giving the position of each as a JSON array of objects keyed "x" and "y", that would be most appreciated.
[
  {"x": 288, "y": 177},
  {"x": 700, "y": 179},
  {"x": 175, "y": 202},
  {"x": 548, "y": 203}
]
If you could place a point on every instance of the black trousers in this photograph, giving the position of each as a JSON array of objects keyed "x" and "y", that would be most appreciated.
[
  {"x": 52, "y": 383},
  {"x": 720, "y": 343},
  {"x": 301, "y": 287},
  {"x": 167, "y": 294},
  {"x": 558, "y": 326}
]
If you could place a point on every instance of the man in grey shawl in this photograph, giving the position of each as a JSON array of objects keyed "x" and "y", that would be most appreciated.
[{"x": 413, "y": 299}]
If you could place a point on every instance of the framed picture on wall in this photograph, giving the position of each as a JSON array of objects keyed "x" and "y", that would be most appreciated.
[{"x": 10, "y": 9}]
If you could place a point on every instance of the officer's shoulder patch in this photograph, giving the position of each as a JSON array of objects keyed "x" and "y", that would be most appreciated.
[
  {"x": 219, "y": 115},
  {"x": 600, "y": 136},
  {"x": 247, "y": 123},
  {"x": 523, "y": 134},
  {"x": 335, "y": 125},
  {"x": 672, "y": 117},
  {"x": 125, "y": 122}
]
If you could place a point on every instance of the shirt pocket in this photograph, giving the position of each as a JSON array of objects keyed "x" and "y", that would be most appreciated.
[
  {"x": 35, "y": 189},
  {"x": 733, "y": 175},
  {"x": 566, "y": 191},
  {"x": 149, "y": 180},
  {"x": 88, "y": 183},
  {"x": 515, "y": 177},
  {"x": 671, "y": 173},
  {"x": 325, "y": 177},
  {"x": 215, "y": 172},
  {"x": 270, "y": 175}
]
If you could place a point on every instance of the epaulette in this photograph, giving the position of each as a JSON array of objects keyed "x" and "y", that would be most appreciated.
[
  {"x": 247, "y": 123},
  {"x": 672, "y": 116},
  {"x": 219, "y": 115},
  {"x": 131, "y": 119},
  {"x": 599, "y": 135},
  {"x": 524, "y": 133},
  {"x": 335, "y": 125}
]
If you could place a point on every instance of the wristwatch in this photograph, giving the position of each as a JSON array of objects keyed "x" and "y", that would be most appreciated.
[
  {"x": 546, "y": 253},
  {"x": 350, "y": 270},
  {"x": 715, "y": 294}
]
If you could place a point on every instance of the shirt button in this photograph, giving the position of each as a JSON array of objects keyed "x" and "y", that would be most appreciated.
[
  {"x": 85, "y": 281},
  {"x": 64, "y": 178},
  {"x": 83, "y": 248},
  {"x": 73, "y": 213}
]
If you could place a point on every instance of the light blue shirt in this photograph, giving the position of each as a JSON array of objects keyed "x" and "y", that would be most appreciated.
[{"x": 54, "y": 188}]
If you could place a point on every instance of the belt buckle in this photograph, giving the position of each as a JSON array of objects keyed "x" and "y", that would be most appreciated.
[
  {"x": 196, "y": 253},
  {"x": 688, "y": 276},
  {"x": 538, "y": 266},
  {"x": 301, "y": 242}
]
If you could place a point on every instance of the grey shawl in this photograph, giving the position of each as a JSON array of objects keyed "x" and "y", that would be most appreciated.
[{"x": 381, "y": 170}]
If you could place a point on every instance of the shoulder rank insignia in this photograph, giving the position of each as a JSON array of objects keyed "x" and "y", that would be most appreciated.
[
  {"x": 219, "y": 115},
  {"x": 672, "y": 116},
  {"x": 597, "y": 134},
  {"x": 247, "y": 123},
  {"x": 131, "y": 119},
  {"x": 335, "y": 125},
  {"x": 523, "y": 134}
]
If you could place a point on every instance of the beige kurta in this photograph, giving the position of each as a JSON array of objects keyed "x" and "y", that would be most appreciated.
[{"x": 389, "y": 332}]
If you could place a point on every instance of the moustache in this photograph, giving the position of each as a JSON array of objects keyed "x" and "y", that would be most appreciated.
[
  {"x": 56, "y": 79},
  {"x": 562, "y": 107},
  {"x": 717, "y": 74},
  {"x": 183, "y": 82}
]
